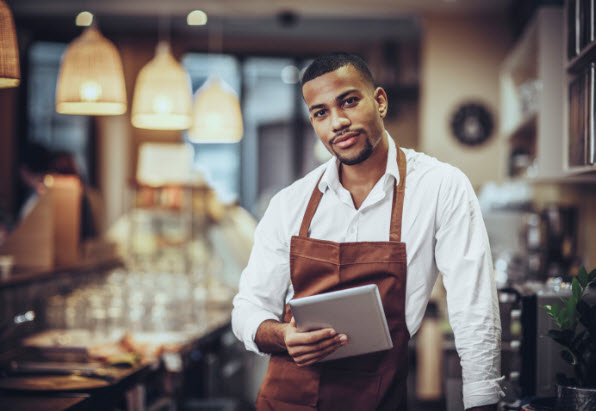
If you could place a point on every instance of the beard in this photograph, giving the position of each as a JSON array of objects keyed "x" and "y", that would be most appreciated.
[{"x": 365, "y": 153}]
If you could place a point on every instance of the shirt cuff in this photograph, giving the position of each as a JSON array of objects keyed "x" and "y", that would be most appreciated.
[
  {"x": 250, "y": 330},
  {"x": 480, "y": 393}
]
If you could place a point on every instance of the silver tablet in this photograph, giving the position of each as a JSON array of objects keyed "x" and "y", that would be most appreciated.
[{"x": 356, "y": 312}]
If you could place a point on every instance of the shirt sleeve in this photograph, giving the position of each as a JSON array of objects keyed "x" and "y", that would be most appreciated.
[
  {"x": 265, "y": 281},
  {"x": 463, "y": 256}
]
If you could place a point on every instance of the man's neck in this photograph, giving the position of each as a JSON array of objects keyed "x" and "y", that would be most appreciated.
[{"x": 360, "y": 179}]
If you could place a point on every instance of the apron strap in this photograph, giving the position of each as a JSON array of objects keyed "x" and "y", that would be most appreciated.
[
  {"x": 311, "y": 208},
  {"x": 396, "y": 209},
  {"x": 398, "y": 198}
]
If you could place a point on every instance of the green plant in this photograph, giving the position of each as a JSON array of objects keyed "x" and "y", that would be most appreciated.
[{"x": 579, "y": 343}]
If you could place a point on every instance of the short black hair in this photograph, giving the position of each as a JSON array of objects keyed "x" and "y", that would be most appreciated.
[{"x": 330, "y": 62}]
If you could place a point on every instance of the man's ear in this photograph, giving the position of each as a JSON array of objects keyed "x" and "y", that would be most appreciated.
[{"x": 381, "y": 98}]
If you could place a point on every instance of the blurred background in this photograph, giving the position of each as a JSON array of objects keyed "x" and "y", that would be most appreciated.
[{"x": 141, "y": 142}]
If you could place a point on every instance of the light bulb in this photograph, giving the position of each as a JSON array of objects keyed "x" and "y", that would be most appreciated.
[
  {"x": 162, "y": 105},
  {"x": 84, "y": 19},
  {"x": 90, "y": 91},
  {"x": 196, "y": 18}
]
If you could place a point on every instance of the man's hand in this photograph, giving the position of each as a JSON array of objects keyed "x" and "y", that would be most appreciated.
[{"x": 306, "y": 348}]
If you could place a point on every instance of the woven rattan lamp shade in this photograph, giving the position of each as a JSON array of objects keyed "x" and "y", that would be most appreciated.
[
  {"x": 91, "y": 80},
  {"x": 10, "y": 73},
  {"x": 162, "y": 98},
  {"x": 217, "y": 117}
]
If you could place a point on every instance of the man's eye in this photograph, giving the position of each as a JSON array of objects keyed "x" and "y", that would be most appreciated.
[
  {"x": 351, "y": 100},
  {"x": 319, "y": 113}
]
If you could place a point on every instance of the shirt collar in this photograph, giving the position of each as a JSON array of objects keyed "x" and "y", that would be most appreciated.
[{"x": 330, "y": 177}]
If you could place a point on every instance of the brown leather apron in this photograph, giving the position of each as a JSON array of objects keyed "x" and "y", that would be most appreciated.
[{"x": 365, "y": 382}]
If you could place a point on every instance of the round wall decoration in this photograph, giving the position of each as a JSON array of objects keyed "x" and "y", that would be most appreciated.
[{"x": 472, "y": 123}]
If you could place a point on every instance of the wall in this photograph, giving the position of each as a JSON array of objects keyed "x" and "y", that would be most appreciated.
[
  {"x": 113, "y": 159},
  {"x": 404, "y": 128},
  {"x": 460, "y": 60}
]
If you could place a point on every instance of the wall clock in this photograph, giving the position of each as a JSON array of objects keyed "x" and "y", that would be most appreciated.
[{"x": 472, "y": 123}]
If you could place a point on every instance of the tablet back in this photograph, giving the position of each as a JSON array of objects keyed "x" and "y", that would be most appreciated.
[{"x": 357, "y": 312}]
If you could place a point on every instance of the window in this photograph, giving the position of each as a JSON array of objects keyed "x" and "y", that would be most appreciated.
[
  {"x": 56, "y": 132},
  {"x": 219, "y": 163}
]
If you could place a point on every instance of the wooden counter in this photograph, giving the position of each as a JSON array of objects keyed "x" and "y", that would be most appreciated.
[
  {"x": 106, "y": 397},
  {"x": 24, "y": 277},
  {"x": 43, "y": 402}
]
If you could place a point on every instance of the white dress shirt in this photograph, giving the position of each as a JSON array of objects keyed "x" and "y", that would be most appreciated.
[{"x": 443, "y": 229}]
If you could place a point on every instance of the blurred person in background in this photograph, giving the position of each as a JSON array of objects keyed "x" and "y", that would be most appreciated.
[
  {"x": 341, "y": 226},
  {"x": 32, "y": 171},
  {"x": 37, "y": 163}
]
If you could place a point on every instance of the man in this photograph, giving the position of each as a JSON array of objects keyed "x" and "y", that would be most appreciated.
[{"x": 341, "y": 226}]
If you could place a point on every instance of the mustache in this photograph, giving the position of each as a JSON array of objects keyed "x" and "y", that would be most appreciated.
[{"x": 343, "y": 133}]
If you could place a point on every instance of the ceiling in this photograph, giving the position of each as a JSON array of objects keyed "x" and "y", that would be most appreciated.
[
  {"x": 268, "y": 20},
  {"x": 257, "y": 8}
]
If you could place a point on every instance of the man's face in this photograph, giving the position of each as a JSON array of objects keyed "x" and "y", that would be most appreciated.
[{"x": 347, "y": 113}]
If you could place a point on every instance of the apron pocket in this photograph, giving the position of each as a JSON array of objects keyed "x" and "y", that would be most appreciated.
[
  {"x": 365, "y": 363},
  {"x": 349, "y": 390},
  {"x": 288, "y": 383}
]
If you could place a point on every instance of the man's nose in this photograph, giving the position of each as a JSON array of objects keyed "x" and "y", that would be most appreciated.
[{"x": 339, "y": 120}]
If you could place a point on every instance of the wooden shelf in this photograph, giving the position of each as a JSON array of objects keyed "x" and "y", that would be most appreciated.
[
  {"x": 588, "y": 172},
  {"x": 537, "y": 56},
  {"x": 564, "y": 179},
  {"x": 579, "y": 62}
]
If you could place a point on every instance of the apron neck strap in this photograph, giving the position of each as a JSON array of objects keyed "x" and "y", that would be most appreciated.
[
  {"x": 398, "y": 197},
  {"x": 397, "y": 207},
  {"x": 311, "y": 208}
]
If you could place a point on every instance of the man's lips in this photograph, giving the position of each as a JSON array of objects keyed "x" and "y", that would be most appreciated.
[{"x": 345, "y": 140}]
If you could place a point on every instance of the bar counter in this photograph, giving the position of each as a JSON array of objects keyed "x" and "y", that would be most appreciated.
[
  {"x": 129, "y": 385},
  {"x": 129, "y": 388}
]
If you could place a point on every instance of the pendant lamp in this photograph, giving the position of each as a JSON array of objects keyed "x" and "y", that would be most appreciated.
[
  {"x": 217, "y": 117},
  {"x": 91, "y": 80},
  {"x": 10, "y": 73},
  {"x": 162, "y": 97}
]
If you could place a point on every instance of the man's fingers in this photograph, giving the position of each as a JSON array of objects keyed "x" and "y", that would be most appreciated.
[
  {"x": 297, "y": 350},
  {"x": 311, "y": 358},
  {"x": 309, "y": 338}
]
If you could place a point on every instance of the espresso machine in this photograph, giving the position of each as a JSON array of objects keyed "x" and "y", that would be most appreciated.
[
  {"x": 561, "y": 239},
  {"x": 550, "y": 239},
  {"x": 534, "y": 252}
]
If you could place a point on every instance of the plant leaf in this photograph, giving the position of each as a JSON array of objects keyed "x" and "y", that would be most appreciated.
[
  {"x": 569, "y": 316},
  {"x": 576, "y": 289},
  {"x": 568, "y": 356},
  {"x": 586, "y": 315},
  {"x": 563, "y": 338},
  {"x": 592, "y": 275},
  {"x": 555, "y": 309},
  {"x": 588, "y": 319},
  {"x": 576, "y": 333},
  {"x": 583, "y": 278},
  {"x": 552, "y": 310}
]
